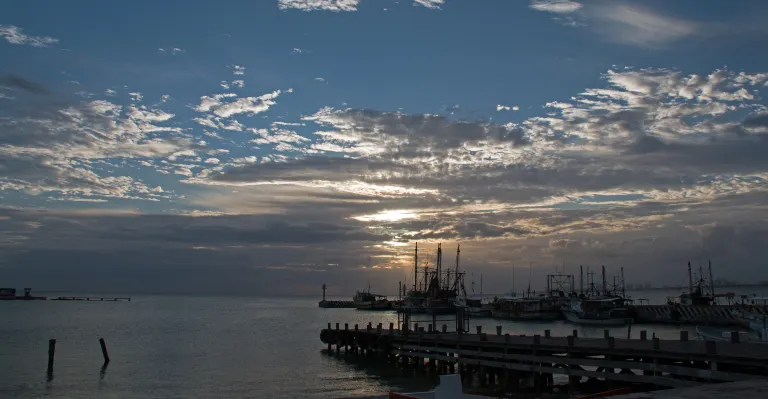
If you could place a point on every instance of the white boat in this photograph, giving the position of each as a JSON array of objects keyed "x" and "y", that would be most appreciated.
[
  {"x": 752, "y": 314},
  {"x": 597, "y": 311},
  {"x": 364, "y": 300}
]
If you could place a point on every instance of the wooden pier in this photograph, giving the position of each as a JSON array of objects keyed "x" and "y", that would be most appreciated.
[
  {"x": 92, "y": 298},
  {"x": 507, "y": 363}
]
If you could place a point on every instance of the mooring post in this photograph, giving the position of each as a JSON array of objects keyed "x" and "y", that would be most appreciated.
[
  {"x": 391, "y": 327},
  {"x": 498, "y": 330},
  {"x": 656, "y": 343},
  {"x": 445, "y": 328},
  {"x": 611, "y": 342},
  {"x": 575, "y": 333},
  {"x": 51, "y": 353},
  {"x": 346, "y": 326},
  {"x": 683, "y": 335},
  {"x": 606, "y": 334},
  {"x": 356, "y": 328},
  {"x": 479, "y": 329},
  {"x": 337, "y": 326},
  {"x": 735, "y": 337},
  {"x": 104, "y": 350},
  {"x": 536, "y": 339},
  {"x": 506, "y": 338},
  {"x": 430, "y": 328},
  {"x": 547, "y": 334},
  {"x": 643, "y": 335},
  {"x": 570, "y": 340},
  {"x": 378, "y": 328}
]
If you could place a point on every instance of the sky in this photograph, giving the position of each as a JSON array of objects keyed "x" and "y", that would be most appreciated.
[{"x": 265, "y": 147}]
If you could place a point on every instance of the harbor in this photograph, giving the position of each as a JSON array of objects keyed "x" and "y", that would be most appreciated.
[
  {"x": 439, "y": 330},
  {"x": 604, "y": 302}
]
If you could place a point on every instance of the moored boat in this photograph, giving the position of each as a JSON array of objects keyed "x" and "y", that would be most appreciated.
[
  {"x": 600, "y": 311},
  {"x": 365, "y": 300},
  {"x": 531, "y": 308}
]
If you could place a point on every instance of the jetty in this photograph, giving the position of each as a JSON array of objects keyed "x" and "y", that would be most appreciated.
[
  {"x": 334, "y": 304},
  {"x": 92, "y": 298},
  {"x": 507, "y": 363}
]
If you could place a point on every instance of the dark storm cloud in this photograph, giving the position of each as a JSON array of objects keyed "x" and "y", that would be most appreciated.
[{"x": 16, "y": 82}]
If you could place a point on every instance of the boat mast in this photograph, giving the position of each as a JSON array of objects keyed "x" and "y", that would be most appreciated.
[
  {"x": 711, "y": 279},
  {"x": 581, "y": 279},
  {"x": 605, "y": 283},
  {"x": 439, "y": 263},
  {"x": 690, "y": 279},
  {"x": 456, "y": 278},
  {"x": 514, "y": 290},
  {"x": 415, "y": 267},
  {"x": 623, "y": 285}
]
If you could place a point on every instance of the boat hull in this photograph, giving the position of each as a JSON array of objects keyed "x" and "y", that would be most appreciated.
[
  {"x": 372, "y": 305},
  {"x": 575, "y": 318},
  {"x": 500, "y": 314}
]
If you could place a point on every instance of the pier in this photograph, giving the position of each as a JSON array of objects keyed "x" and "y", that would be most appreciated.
[
  {"x": 92, "y": 298},
  {"x": 507, "y": 363},
  {"x": 336, "y": 304}
]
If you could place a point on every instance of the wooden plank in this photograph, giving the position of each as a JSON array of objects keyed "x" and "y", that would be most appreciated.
[
  {"x": 534, "y": 368},
  {"x": 662, "y": 368}
]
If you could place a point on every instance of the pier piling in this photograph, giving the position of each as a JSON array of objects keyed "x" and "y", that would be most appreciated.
[
  {"x": 683, "y": 335},
  {"x": 51, "y": 354},
  {"x": 498, "y": 330},
  {"x": 575, "y": 334},
  {"x": 643, "y": 335},
  {"x": 606, "y": 334},
  {"x": 547, "y": 334},
  {"x": 104, "y": 350}
]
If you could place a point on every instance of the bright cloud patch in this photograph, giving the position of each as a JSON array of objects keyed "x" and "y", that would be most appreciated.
[
  {"x": 15, "y": 35},
  {"x": 319, "y": 5},
  {"x": 434, "y": 4},
  {"x": 556, "y": 6}
]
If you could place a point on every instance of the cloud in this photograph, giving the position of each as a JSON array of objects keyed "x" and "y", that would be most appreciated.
[
  {"x": 244, "y": 105},
  {"x": 14, "y": 35},
  {"x": 319, "y": 5},
  {"x": 238, "y": 70},
  {"x": 556, "y": 6},
  {"x": 296, "y": 50},
  {"x": 433, "y": 4},
  {"x": 635, "y": 25},
  {"x": 15, "y": 82},
  {"x": 238, "y": 83},
  {"x": 320, "y": 79},
  {"x": 55, "y": 148}
]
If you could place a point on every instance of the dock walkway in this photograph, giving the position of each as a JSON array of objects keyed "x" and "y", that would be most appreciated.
[{"x": 511, "y": 361}]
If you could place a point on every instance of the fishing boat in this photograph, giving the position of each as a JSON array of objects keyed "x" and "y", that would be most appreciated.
[
  {"x": 533, "y": 308},
  {"x": 477, "y": 305},
  {"x": 435, "y": 290},
  {"x": 599, "y": 311},
  {"x": 365, "y": 300},
  {"x": 10, "y": 294},
  {"x": 536, "y": 307}
]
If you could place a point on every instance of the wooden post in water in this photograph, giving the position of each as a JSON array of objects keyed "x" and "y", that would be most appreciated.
[
  {"x": 479, "y": 329},
  {"x": 498, "y": 330},
  {"x": 643, "y": 335},
  {"x": 51, "y": 353},
  {"x": 606, "y": 334},
  {"x": 445, "y": 328},
  {"x": 104, "y": 350},
  {"x": 575, "y": 334},
  {"x": 683, "y": 335},
  {"x": 547, "y": 334}
]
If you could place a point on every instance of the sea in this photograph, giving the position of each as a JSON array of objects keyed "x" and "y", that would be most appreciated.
[{"x": 164, "y": 346}]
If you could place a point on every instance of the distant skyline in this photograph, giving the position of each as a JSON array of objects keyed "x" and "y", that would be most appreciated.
[{"x": 263, "y": 147}]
